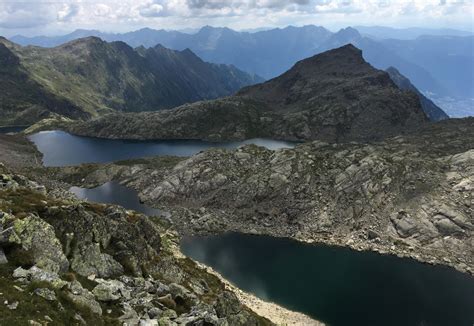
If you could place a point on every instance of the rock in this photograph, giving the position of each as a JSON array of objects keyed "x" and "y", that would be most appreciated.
[
  {"x": 38, "y": 238},
  {"x": 34, "y": 323},
  {"x": 90, "y": 260},
  {"x": 130, "y": 316},
  {"x": 83, "y": 298},
  {"x": 167, "y": 301},
  {"x": 227, "y": 304},
  {"x": 110, "y": 290},
  {"x": 13, "y": 305},
  {"x": 181, "y": 295},
  {"x": 371, "y": 235},
  {"x": 148, "y": 322},
  {"x": 164, "y": 321},
  {"x": 155, "y": 313},
  {"x": 169, "y": 313},
  {"x": 39, "y": 275},
  {"x": 45, "y": 293}
]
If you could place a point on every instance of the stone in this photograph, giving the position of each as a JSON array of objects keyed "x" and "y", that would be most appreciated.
[
  {"x": 169, "y": 313},
  {"x": 90, "y": 260},
  {"x": 13, "y": 305},
  {"x": 155, "y": 313},
  {"x": 180, "y": 293},
  {"x": 130, "y": 316},
  {"x": 148, "y": 322},
  {"x": 39, "y": 239},
  {"x": 82, "y": 297},
  {"x": 45, "y": 293},
  {"x": 227, "y": 304},
  {"x": 39, "y": 275},
  {"x": 167, "y": 301},
  {"x": 110, "y": 290}
]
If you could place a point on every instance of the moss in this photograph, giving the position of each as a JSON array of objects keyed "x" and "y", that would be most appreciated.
[{"x": 33, "y": 307}]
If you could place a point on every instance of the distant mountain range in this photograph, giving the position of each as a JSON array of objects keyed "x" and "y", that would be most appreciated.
[
  {"x": 335, "y": 96},
  {"x": 438, "y": 65},
  {"x": 411, "y": 33},
  {"x": 89, "y": 77}
]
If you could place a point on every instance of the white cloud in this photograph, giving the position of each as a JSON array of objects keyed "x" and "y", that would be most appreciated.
[{"x": 50, "y": 15}]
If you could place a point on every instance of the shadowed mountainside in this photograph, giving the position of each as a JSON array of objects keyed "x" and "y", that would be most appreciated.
[
  {"x": 91, "y": 77},
  {"x": 333, "y": 96}
]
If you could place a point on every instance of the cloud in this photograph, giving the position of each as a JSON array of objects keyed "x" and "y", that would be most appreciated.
[{"x": 36, "y": 15}]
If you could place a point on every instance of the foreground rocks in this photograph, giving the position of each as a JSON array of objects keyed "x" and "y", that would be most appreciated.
[
  {"x": 409, "y": 196},
  {"x": 95, "y": 264}
]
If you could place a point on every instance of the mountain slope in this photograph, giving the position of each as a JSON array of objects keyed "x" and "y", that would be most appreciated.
[
  {"x": 433, "y": 112},
  {"x": 100, "y": 77},
  {"x": 266, "y": 53},
  {"x": 22, "y": 99},
  {"x": 449, "y": 59},
  {"x": 381, "y": 57},
  {"x": 428, "y": 61},
  {"x": 334, "y": 96}
]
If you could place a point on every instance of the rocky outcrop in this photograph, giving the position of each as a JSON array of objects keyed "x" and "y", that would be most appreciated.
[
  {"x": 409, "y": 195},
  {"x": 99, "y": 264},
  {"x": 335, "y": 96}
]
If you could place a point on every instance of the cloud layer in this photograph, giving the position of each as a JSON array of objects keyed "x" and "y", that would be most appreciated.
[{"x": 35, "y": 15}]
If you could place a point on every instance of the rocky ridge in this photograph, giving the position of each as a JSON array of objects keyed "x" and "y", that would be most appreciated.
[
  {"x": 410, "y": 195},
  {"x": 88, "y": 77},
  {"x": 67, "y": 261}
]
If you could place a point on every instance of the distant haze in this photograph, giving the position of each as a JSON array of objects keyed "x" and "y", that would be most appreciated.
[{"x": 31, "y": 18}]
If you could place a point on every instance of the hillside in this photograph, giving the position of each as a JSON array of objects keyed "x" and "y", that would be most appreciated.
[
  {"x": 433, "y": 112},
  {"x": 94, "y": 77},
  {"x": 334, "y": 96},
  {"x": 432, "y": 63}
]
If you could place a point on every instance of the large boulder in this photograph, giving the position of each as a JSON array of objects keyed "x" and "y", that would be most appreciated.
[{"x": 38, "y": 239}]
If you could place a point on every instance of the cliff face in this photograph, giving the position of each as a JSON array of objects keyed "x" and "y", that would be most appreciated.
[
  {"x": 334, "y": 96},
  {"x": 67, "y": 261}
]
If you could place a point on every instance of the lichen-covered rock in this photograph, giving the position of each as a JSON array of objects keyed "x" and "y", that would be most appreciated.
[
  {"x": 37, "y": 237},
  {"x": 45, "y": 293},
  {"x": 109, "y": 290}
]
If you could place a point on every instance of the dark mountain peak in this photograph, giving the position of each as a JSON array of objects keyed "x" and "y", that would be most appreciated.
[{"x": 342, "y": 60}]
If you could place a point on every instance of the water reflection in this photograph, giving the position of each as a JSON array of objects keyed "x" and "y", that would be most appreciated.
[{"x": 337, "y": 285}]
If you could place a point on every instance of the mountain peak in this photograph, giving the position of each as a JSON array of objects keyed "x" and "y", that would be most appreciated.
[
  {"x": 84, "y": 41},
  {"x": 349, "y": 32}
]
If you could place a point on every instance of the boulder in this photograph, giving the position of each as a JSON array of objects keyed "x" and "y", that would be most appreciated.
[{"x": 38, "y": 238}]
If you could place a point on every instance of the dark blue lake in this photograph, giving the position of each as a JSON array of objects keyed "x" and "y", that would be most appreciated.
[
  {"x": 114, "y": 193},
  {"x": 61, "y": 149},
  {"x": 6, "y": 130},
  {"x": 336, "y": 285}
]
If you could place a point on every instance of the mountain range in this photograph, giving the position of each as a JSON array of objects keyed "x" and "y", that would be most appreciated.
[
  {"x": 88, "y": 77},
  {"x": 438, "y": 65},
  {"x": 334, "y": 96}
]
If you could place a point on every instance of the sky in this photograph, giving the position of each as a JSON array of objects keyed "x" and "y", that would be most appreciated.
[{"x": 51, "y": 17}]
